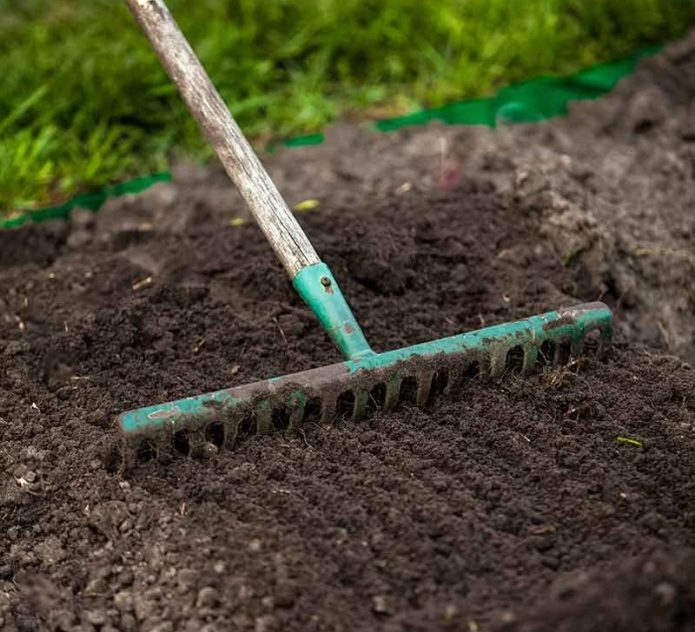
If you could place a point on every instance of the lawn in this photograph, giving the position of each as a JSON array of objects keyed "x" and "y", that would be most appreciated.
[{"x": 83, "y": 101}]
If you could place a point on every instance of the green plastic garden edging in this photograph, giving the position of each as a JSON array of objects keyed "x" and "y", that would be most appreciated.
[
  {"x": 91, "y": 201},
  {"x": 531, "y": 101}
]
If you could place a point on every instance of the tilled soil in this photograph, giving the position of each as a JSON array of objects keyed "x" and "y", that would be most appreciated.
[
  {"x": 565, "y": 501},
  {"x": 611, "y": 186}
]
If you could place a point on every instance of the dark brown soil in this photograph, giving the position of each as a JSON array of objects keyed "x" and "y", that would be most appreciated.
[{"x": 562, "y": 502}]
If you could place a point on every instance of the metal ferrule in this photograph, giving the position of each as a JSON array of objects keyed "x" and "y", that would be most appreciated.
[{"x": 320, "y": 291}]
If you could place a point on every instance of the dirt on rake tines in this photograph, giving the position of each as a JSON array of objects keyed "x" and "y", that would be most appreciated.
[{"x": 565, "y": 502}]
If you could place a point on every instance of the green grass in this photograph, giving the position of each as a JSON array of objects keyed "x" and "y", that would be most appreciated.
[{"x": 83, "y": 101}]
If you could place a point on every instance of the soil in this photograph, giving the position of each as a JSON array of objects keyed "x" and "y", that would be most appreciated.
[{"x": 565, "y": 501}]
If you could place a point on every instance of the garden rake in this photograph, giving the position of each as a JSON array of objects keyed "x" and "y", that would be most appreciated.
[{"x": 365, "y": 381}]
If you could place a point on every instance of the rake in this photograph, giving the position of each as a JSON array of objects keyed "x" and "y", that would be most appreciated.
[{"x": 365, "y": 381}]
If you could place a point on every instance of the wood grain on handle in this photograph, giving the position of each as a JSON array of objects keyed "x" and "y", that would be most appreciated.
[{"x": 280, "y": 227}]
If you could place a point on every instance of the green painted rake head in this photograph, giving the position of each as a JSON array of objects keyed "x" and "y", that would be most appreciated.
[{"x": 365, "y": 381}]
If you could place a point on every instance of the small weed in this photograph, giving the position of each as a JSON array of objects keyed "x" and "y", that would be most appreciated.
[{"x": 628, "y": 440}]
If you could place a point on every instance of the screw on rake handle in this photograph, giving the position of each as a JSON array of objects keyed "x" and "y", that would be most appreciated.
[{"x": 238, "y": 158}]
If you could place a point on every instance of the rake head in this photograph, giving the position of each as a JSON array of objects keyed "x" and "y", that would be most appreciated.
[{"x": 356, "y": 388}]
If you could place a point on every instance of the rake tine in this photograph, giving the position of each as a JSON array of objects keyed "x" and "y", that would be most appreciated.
[
  {"x": 263, "y": 413},
  {"x": 424, "y": 387},
  {"x": 297, "y": 414},
  {"x": 361, "y": 402},
  {"x": 393, "y": 392}
]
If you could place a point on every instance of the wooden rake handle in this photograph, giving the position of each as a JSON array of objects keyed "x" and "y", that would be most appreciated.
[{"x": 242, "y": 165}]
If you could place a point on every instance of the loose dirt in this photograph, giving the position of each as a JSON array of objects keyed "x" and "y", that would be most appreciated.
[{"x": 561, "y": 502}]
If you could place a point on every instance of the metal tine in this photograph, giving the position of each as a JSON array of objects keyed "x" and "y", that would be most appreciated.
[
  {"x": 297, "y": 414},
  {"x": 196, "y": 442},
  {"x": 424, "y": 386},
  {"x": 361, "y": 402},
  {"x": 498, "y": 362},
  {"x": 530, "y": 359},
  {"x": 393, "y": 391},
  {"x": 592, "y": 342},
  {"x": 263, "y": 413}
]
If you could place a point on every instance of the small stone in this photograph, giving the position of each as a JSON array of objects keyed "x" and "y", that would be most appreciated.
[
  {"x": 78, "y": 239},
  {"x": 508, "y": 617},
  {"x": 103, "y": 571},
  {"x": 244, "y": 593},
  {"x": 379, "y": 604},
  {"x": 82, "y": 217},
  {"x": 551, "y": 561},
  {"x": 164, "y": 626},
  {"x": 96, "y": 586},
  {"x": 209, "y": 450},
  {"x": 186, "y": 579},
  {"x": 108, "y": 516},
  {"x": 96, "y": 617},
  {"x": 208, "y": 597},
  {"x": 144, "y": 609},
  {"x": 266, "y": 623},
  {"x": 124, "y": 600},
  {"x": 126, "y": 577},
  {"x": 255, "y": 545},
  {"x": 50, "y": 551},
  {"x": 667, "y": 593},
  {"x": 450, "y": 612},
  {"x": 29, "y": 453}
]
